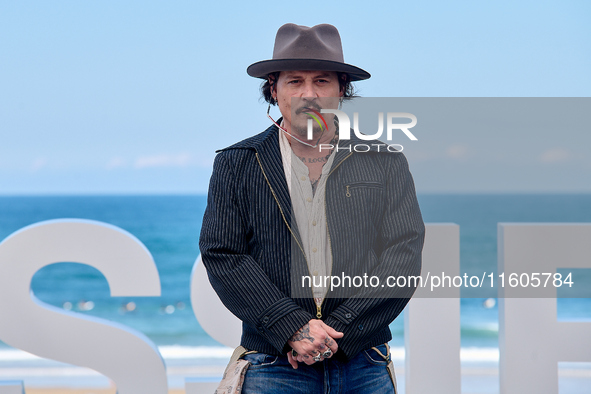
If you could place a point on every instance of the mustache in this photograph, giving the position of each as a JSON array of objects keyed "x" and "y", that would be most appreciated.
[{"x": 308, "y": 108}]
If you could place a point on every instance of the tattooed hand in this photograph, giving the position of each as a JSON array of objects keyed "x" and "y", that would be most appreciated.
[
  {"x": 312, "y": 339},
  {"x": 302, "y": 333}
]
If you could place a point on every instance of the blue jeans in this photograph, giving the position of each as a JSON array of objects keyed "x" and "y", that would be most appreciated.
[{"x": 366, "y": 373}]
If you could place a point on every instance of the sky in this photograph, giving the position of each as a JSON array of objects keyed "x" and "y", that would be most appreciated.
[{"x": 109, "y": 97}]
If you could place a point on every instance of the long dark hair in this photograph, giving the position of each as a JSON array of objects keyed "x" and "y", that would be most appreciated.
[{"x": 344, "y": 83}]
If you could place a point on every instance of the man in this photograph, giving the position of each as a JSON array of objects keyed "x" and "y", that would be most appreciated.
[{"x": 283, "y": 207}]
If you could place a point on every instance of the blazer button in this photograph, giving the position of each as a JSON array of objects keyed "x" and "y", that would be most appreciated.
[
  {"x": 360, "y": 327},
  {"x": 348, "y": 315}
]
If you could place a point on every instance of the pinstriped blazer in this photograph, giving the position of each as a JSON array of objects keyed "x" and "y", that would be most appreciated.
[{"x": 252, "y": 251}]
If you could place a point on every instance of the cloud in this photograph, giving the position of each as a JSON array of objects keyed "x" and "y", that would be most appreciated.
[
  {"x": 163, "y": 160},
  {"x": 38, "y": 164},
  {"x": 555, "y": 155}
]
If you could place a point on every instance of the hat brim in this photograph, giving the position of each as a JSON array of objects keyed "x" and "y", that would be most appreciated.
[{"x": 263, "y": 68}]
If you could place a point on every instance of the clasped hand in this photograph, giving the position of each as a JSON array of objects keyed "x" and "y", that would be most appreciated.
[{"x": 311, "y": 341}]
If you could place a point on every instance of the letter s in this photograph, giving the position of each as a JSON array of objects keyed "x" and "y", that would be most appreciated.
[
  {"x": 211, "y": 313},
  {"x": 126, "y": 356}
]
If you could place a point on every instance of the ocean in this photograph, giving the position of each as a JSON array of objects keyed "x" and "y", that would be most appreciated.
[{"x": 169, "y": 226}]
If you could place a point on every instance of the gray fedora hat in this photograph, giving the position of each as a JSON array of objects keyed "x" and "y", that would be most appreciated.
[{"x": 307, "y": 48}]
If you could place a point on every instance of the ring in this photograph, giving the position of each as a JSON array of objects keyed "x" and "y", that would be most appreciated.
[
  {"x": 318, "y": 357},
  {"x": 327, "y": 353},
  {"x": 294, "y": 354}
]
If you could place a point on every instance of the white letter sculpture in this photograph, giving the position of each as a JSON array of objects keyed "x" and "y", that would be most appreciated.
[
  {"x": 432, "y": 319},
  {"x": 126, "y": 356},
  {"x": 531, "y": 340}
]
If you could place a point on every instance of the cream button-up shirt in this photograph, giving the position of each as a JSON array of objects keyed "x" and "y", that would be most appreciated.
[{"x": 309, "y": 210}]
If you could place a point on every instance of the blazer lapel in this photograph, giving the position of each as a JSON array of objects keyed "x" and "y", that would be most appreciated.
[{"x": 269, "y": 157}]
